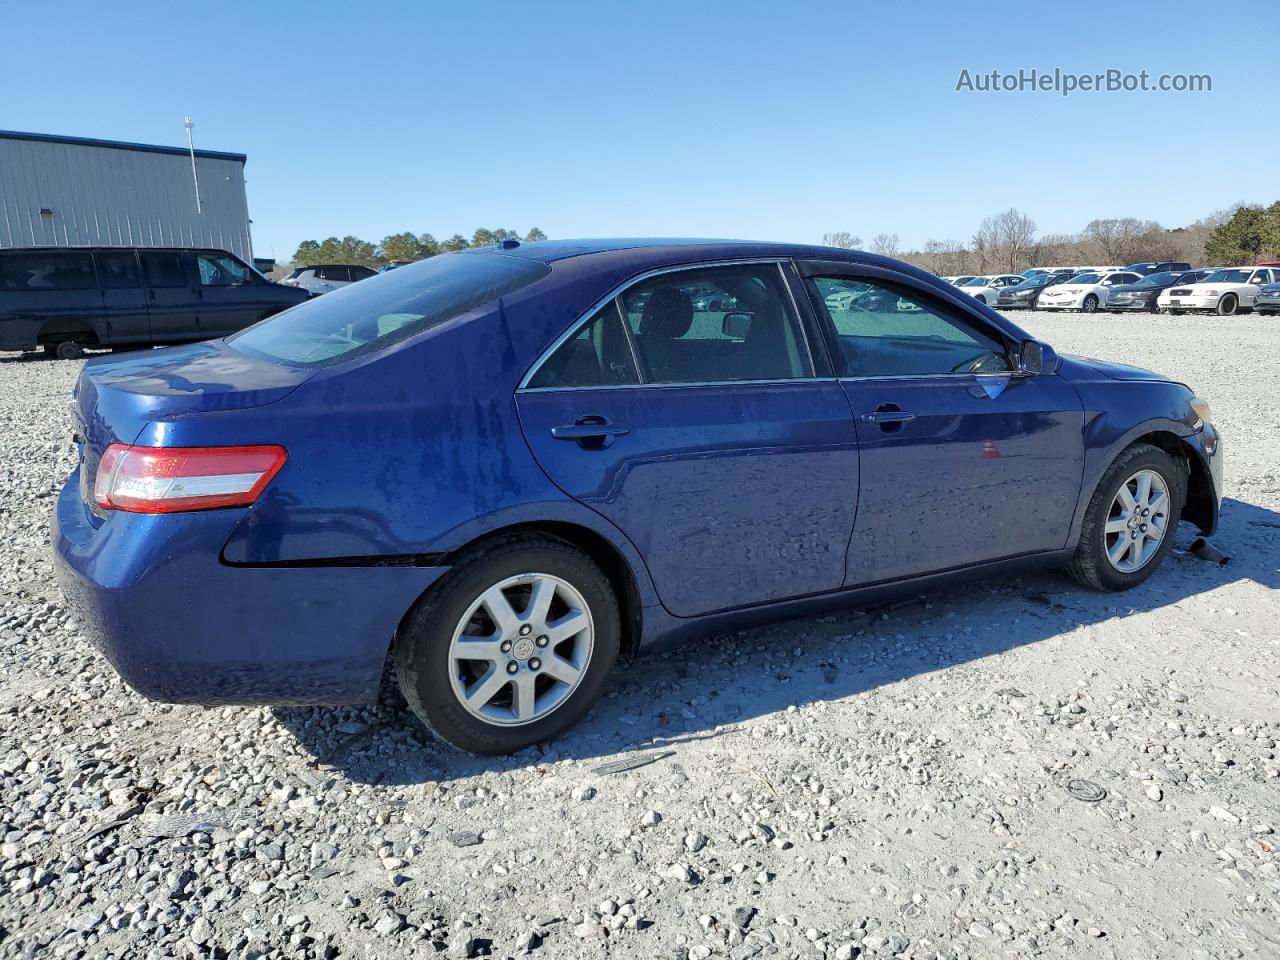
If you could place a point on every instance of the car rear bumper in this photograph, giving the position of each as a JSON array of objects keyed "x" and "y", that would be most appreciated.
[{"x": 181, "y": 626}]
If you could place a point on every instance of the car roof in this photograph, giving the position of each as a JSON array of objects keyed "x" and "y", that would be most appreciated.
[
  {"x": 113, "y": 248},
  {"x": 681, "y": 248}
]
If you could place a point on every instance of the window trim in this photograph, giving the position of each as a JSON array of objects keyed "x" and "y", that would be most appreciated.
[
  {"x": 851, "y": 270},
  {"x": 615, "y": 295}
]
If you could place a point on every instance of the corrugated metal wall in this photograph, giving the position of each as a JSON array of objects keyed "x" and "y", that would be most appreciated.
[{"x": 121, "y": 197}]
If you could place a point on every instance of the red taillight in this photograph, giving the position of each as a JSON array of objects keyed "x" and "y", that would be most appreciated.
[{"x": 172, "y": 479}]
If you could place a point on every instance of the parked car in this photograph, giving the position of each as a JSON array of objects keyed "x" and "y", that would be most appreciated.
[
  {"x": 987, "y": 289},
  {"x": 65, "y": 299},
  {"x": 1026, "y": 295},
  {"x": 956, "y": 281},
  {"x": 1085, "y": 291},
  {"x": 324, "y": 277},
  {"x": 1223, "y": 292},
  {"x": 1268, "y": 301},
  {"x": 1144, "y": 293},
  {"x": 502, "y": 468},
  {"x": 1159, "y": 266}
]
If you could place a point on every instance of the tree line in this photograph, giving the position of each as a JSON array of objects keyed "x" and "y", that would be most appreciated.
[
  {"x": 1007, "y": 242},
  {"x": 399, "y": 247}
]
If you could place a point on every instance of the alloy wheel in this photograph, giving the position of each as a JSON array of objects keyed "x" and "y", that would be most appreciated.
[
  {"x": 1137, "y": 522},
  {"x": 521, "y": 649}
]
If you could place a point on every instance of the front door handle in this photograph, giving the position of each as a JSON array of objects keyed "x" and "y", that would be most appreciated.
[{"x": 888, "y": 416}]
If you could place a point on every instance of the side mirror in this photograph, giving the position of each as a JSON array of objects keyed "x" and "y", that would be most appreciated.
[
  {"x": 1030, "y": 358},
  {"x": 737, "y": 326}
]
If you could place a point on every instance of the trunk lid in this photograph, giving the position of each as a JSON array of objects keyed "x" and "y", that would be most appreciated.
[{"x": 116, "y": 397}]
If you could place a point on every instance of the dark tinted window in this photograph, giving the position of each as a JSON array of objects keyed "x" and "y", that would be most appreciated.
[
  {"x": 342, "y": 274},
  {"x": 365, "y": 317},
  {"x": 118, "y": 270},
  {"x": 72, "y": 270},
  {"x": 361, "y": 273},
  {"x": 164, "y": 270},
  {"x": 717, "y": 324},
  {"x": 890, "y": 331},
  {"x": 597, "y": 356},
  {"x": 221, "y": 270}
]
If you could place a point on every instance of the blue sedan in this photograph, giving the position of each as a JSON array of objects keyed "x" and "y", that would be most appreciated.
[{"x": 501, "y": 469}]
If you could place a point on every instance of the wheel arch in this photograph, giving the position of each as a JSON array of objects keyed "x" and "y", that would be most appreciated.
[
  {"x": 69, "y": 328},
  {"x": 599, "y": 548},
  {"x": 1200, "y": 506}
]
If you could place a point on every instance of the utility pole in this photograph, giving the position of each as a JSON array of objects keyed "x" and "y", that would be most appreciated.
[{"x": 186, "y": 122}]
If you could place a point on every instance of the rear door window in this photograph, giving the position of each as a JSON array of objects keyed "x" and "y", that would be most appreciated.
[
  {"x": 340, "y": 274},
  {"x": 118, "y": 270},
  {"x": 361, "y": 273},
  {"x": 28, "y": 272},
  {"x": 164, "y": 269},
  {"x": 365, "y": 317},
  {"x": 716, "y": 325},
  {"x": 598, "y": 355}
]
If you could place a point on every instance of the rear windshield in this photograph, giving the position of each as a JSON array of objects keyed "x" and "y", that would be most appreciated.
[{"x": 370, "y": 315}]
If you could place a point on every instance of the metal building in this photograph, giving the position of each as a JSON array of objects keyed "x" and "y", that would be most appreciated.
[{"x": 72, "y": 191}]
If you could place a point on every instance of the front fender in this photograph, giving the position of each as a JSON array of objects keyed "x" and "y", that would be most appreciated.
[{"x": 1117, "y": 413}]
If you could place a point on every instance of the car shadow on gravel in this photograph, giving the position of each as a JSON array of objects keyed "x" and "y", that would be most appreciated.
[{"x": 699, "y": 689}]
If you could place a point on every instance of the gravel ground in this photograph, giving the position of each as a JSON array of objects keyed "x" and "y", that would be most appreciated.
[{"x": 919, "y": 781}]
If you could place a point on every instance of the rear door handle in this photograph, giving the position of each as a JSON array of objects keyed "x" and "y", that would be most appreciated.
[
  {"x": 888, "y": 416},
  {"x": 588, "y": 431}
]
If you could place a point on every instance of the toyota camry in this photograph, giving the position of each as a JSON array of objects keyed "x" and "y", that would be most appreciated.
[{"x": 500, "y": 470}]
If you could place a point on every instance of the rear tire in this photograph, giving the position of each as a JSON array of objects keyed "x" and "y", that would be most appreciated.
[
  {"x": 1093, "y": 564},
  {"x": 454, "y": 645},
  {"x": 68, "y": 350}
]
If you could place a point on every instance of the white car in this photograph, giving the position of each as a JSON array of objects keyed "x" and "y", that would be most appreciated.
[
  {"x": 1085, "y": 291},
  {"x": 987, "y": 289},
  {"x": 320, "y": 278},
  {"x": 1224, "y": 291},
  {"x": 956, "y": 281}
]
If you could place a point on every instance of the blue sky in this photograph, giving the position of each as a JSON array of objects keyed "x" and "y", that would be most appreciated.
[{"x": 737, "y": 119}]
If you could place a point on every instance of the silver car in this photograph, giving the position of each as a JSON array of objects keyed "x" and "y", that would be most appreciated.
[{"x": 320, "y": 278}]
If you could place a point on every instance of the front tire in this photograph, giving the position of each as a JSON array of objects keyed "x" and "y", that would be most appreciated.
[
  {"x": 1227, "y": 305},
  {"x": 1090, "y": 304},
  {"x": 1130, "y": 522},
  {"x": 512, "y": 648}
]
